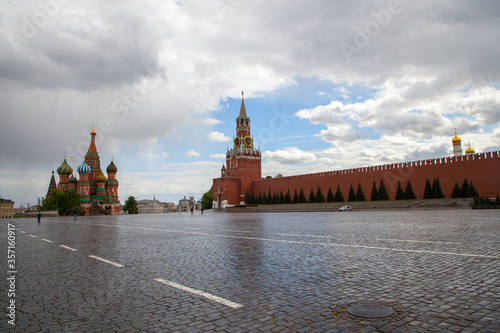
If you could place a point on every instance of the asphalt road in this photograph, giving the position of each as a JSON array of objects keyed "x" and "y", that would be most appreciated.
[{"x": 253, "y": 272}]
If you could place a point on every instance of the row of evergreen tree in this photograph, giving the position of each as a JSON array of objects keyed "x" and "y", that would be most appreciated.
[{"x": 433, "y": 191}]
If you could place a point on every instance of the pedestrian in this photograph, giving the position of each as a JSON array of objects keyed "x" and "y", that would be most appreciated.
[
  {"x": 74, "y": 216},
  {"x": 39, "y": 216},
  {"x": 191, "y": 210},
  {"x": 201, "y": 210}
]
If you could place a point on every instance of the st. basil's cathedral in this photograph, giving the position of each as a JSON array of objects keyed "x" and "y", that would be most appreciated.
[{"x": 98, "y": 193}]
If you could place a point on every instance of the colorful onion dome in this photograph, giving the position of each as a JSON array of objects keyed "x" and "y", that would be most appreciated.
[
  {"x": 93, "y": 130},
  {"x": 84, "y": 168},
  {"x": 72, "y": 179},
  {"x": 111, "y": 167},
  {"x": 101, "y": 178},
  {"x": 469, "y": 150},
  {"x": 456, "y": 138},
  {"x": 64, "y": 168}
]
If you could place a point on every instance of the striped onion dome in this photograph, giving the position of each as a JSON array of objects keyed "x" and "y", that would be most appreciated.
[
  {"x": 64, "y": 168},
  {"x": 101, "y": 178},
  {"x": 84, "y": 168},
  {"x": 111, "y": 167}
]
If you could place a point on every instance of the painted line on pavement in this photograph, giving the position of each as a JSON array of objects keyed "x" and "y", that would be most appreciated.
[
  {"x": 46, "y": 240},
  {"x": 67, "y": 247},
  {"x": 212, "y": 297},
  {"x": 416, "y": 241},
  {"x": 236, "y": 230},
  {"x": 23, "y": 232},
  {"x": 33, "y": 236},
  {"x": 301, "y": 235},
  {"x": 106, "y": 261}
]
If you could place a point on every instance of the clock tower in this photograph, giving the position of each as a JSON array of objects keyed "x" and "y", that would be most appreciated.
[{"x": 243, "y": 166}]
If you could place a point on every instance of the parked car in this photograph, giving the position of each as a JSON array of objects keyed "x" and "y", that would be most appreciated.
[{"x": 345, "y": 208}]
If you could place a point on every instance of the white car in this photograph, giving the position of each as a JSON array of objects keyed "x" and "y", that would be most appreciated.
[{"x": 345, "y": 208}]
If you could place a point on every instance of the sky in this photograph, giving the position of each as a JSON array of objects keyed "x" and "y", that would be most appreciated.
[{"x": 328, "y": 85}]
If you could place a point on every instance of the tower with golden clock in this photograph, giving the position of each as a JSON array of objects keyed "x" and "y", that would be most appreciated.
[{"x": 243, "y": 165}]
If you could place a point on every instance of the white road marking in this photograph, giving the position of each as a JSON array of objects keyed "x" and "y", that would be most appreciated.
[
  {"x": 33, "y": 236},
  {"x": 23, "y": 232},
  {"x": 67, "y": 247},
  {"x": 212, "y": 297},
  {"x": 46, "y": 240},
  {"x": 301, "y": 235},
  {"x": 194, "y": 228},
  {"x": 298, "y": 242},
  {"x": 106, "y": 261},
  {"x": 416, "y": 241},
  {"x": 236, "y": 230}
]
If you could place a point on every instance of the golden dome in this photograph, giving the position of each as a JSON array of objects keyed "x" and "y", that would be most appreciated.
[
  {"x": 469, "y": 150},
  {"x": 93, "y": 131},
  {"x": 101, "y": 178},
  {"x": 456, "y": 138}
]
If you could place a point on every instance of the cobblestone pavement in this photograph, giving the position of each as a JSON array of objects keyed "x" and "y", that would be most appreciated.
[{"x": 256, "y": 272}]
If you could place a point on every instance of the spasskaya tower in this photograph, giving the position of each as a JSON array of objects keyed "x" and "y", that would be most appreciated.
[{"x": 243, "y": 166}]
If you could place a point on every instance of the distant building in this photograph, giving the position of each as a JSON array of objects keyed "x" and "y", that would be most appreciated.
[
  {"x": 170, "y": 207},
  {"x": 6, "y": 208},
  {"x": 147, "y": 206},
  {"x": 186, "y": 204}
]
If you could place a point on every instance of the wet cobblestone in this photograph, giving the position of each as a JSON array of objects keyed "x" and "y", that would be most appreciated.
[{"x": 291, "y": 272}]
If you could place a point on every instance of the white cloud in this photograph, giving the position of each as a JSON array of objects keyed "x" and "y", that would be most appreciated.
[
  {"x": 217, "y": 136},
  {"x": 218, "y": 156},
  {"x": 192, "y": 153},
  {"x": 289, "y": 155}
]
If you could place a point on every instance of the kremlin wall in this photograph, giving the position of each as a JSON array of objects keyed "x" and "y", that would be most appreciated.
[{"x": 242, "y": 173}]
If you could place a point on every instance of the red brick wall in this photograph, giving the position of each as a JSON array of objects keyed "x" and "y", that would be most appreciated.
[{"x": 482, "y": 169}]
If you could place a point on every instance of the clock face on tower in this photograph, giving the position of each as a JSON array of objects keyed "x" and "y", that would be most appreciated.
[
  {"x": 248, "y": 141},
  {"x": 237, "y": 142}
]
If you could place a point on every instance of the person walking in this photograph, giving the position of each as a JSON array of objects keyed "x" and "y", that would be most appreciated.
[
  {"x": 201, "y": 210},
  {"x": 39, "y": 215},
  {"x": 192, "y": 210},
  {"x": 74, "y": 216}
]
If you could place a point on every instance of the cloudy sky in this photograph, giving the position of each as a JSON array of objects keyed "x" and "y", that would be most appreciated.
[{"x": 328, "y": 85}]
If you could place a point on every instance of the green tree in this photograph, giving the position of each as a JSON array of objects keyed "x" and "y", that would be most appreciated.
[
  {"x": 276, "y": 198},
  {"x": 207, "y": 199},
  {"x": 456, "y": 192},
  {"x": 247, "y": 198},
  {"x": 302, "y": 197},
  {"x": 428, "y": 193},
  {"x": 339, "y": 197},
  {"x": 400, "y": 195},
  {"x": 288, "y": 198},
  {"x": 382, "y": 191},
  {"x": 131, "y": 205},
  {"x": 264, "y": 199},
  {"x": 312, "y": 197},
  {"x": 319, "y": 195},
  {"x": 258, "y": 200},
  {"x": 295, "y": 197},
  {"x": 374, "y": 194},
  {"x": 409, "y": 193},
  {"x": 329, "y": 196},
  {"x": 471, "y": 191},
  {"x": 269, "y": 177},
  {"x": 360, "y": 196},
  {"x": 437, "y": 192},
  {"x": 65, "y": 202},
  {"x": 282, "y": 198},
  {"x": 269, "y": 197},
  {"x": 352, "y": 195},
  {"x": 465, "y": 187}
]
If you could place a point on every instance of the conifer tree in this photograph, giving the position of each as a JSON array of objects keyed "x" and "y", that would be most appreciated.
[
  {"x": 295, "y": 197},
  {"x": 269, "y": 197},
  {"x": 302, "y": 197},
  {"x": 382, "y": 192},
  {"x": 465, "y": 186},
  {"x": 312, "y": 197},
  {"x": 276, "y": 198},
  {"x": 374, "y": 195},
  {"x": 329, "y": 196},
  {"x": 264, "y": 199},
  {"x": 409, "y": 194},
  {"x": 281, "y": 198},
  {"x": 288, "y": 198},
  {"x": 428, "y": 194},
  {"x": 400, "y": 195},
  {"x": 471, "y": 191},
  {"x": 319, "y": 195},
  {"x": 457, "y": 191},
  {"x": 436, "y": 189},
  {"x": 247, "y": 198},
  {"x": 339, "y": 197},
  {"x": 352, "y": 195},
  {"x": 360, "y": 196}
]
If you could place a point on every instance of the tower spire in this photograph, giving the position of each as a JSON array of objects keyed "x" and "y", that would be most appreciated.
[{"x": 243, "y": 111}]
